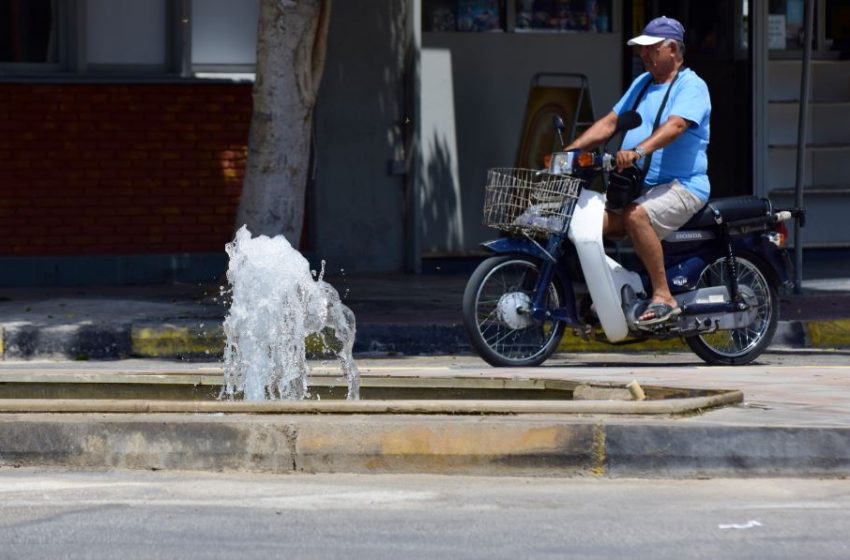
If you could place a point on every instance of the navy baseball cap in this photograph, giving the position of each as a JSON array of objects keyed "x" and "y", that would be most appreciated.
[{"x": 659, "y": 29}]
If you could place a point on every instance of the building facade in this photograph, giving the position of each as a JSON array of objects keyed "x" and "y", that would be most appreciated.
[{"x": 125, "y": 122}]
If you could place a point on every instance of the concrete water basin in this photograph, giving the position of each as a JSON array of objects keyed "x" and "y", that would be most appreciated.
[
  {"x": 452, "y": 417},
  {"x": 195, "y": 393}
]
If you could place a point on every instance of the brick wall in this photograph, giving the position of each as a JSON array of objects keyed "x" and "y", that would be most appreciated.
[{"x": 101, "y": 169}]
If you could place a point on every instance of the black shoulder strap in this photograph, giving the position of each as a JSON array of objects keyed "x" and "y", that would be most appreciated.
[
  {"x": 648, "y": 160},
  {"x": 664, "y": 101},
  {"x": 642, "y": 92},
  {"x": 637, "y": 101},
  {"x": 640, "y": 95}
]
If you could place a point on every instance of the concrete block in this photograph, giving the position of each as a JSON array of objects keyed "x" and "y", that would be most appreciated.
[
  {"x": 156, "y": 443},
  {"x": 443, "y": 445},
  {"x": 687, "y": 451}
]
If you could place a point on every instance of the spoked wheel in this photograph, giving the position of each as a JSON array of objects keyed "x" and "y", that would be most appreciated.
[
  {"x": 759, "y": 291},
  {"x": 497, "y": 313}
]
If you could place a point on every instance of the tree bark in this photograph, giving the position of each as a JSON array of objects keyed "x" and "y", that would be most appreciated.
[{"x": 291, "y": 48}]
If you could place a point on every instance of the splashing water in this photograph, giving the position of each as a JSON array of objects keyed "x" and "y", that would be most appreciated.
[{"x": 276, "y": 303}]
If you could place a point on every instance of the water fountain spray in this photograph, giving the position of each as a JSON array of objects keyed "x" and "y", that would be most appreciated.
[{"x": 276, "y": 304}]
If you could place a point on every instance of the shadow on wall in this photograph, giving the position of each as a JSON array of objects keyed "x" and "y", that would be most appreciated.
[
  {"x": 363, "y": 117},
  {"x": 442, "y": 224}
]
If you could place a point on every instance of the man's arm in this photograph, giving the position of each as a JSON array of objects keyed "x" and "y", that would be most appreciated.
[
  {"x": 663, "y": 135},
  {"x": 596, "y": 135}
]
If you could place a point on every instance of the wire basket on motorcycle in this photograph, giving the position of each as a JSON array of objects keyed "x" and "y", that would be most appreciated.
[{"x": 530, "y": 202}]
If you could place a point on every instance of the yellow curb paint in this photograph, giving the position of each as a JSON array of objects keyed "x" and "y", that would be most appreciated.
[
  {"x": 457, "y": 440},
  {"x": 168, "y": 341},
  {"x": 165, "y": 341},
  {"x": 367, "y": 369},
  {"x": 314, "y": 344},
  {"x": 598, "y": 468},
  {"x": 574, "y": 343},
  {"x": 2, "y": 344},
  {"x": 828, "y": 334}
]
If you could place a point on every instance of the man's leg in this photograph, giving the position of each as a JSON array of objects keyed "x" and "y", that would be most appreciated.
[
  {"x": 612, "y": 224},
  {"x": 657, "y": 213},
  {"x": 648, "y": 248}
]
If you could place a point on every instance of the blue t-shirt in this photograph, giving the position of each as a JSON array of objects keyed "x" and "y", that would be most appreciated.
[{"x": 685, "y": 158}]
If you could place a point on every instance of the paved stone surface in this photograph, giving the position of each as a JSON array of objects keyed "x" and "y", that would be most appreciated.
[{"x": 794, "y": 422}]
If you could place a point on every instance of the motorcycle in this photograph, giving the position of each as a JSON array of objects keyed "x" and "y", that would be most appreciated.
[{"x": 550, "y": 270}]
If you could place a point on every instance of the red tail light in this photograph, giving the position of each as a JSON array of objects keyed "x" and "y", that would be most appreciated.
[{"x": 782, "y": 230}]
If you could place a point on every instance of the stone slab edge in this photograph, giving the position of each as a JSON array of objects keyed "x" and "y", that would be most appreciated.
[
  {"x": 673, "y": 406},
  {"x": 524, "y": 445}
]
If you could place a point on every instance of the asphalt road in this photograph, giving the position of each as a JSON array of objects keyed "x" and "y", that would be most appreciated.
[{"x": 126, "y": 515}]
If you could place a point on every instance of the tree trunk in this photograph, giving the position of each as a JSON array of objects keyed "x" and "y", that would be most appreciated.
[{"x": 291, "y": 47}]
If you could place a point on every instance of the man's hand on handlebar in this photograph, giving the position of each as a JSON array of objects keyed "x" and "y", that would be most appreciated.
[{"x": 626, "y": 158}]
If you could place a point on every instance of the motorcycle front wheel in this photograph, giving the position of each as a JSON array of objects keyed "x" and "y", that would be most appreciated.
[
  {"x": 740, "y": 346},
  {"x": 497, "y": 313}
]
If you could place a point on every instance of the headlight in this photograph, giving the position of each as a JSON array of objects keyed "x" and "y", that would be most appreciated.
[{"x": 562, "y": 163}]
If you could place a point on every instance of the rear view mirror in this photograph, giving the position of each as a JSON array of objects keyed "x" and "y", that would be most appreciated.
[{"x": 558, "y": 123}]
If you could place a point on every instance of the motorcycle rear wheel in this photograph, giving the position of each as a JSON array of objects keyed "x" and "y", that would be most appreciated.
[
  {"x": 740, "y": 346},
  {"x": 497, "y": 313}
]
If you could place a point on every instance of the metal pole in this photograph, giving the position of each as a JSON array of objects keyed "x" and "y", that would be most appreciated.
[
  {"x": 759, "y": 63},
  {"x": 414, "y": 177},
  {"x": 808, "y": 23}
]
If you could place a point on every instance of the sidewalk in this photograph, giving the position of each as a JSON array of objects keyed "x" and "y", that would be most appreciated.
[{"x": 396, "y": 314}]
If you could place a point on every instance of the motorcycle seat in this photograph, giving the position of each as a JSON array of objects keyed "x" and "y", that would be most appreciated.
[{"x": 731, "y": 209}]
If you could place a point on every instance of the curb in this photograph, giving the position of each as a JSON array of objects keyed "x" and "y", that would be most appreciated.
[
  {"x": 438, "y": 339},
  {"x": 519, "y": 445},
  {"x": 828, "y": 334},
  {"x": 98, "y": 342},
  {"x": 195, "y": 339},
  {"x": 171, "y": 340}
]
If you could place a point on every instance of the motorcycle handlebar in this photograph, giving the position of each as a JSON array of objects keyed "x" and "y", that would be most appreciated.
[{"x": 574, "y": 161}]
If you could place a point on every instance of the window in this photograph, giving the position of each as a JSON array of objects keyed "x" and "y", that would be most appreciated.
[
  {"x": 830, "y": 29},
  {"x": 126, "y": 33},
  {"x": 224, "y": 34},
  {"x": 169, "y": 38},
  {"x": 786, "y": 24},
  {"x": 838, "y": 27},
  {"x": 517, "y": 15},
  {"x": 463, "y": 15},
  {"x": 563, "y": 15},
  {"x": 28, "y": 31}
]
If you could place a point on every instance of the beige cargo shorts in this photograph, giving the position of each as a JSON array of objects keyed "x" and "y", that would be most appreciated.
[{"x": 669, "y": 206}]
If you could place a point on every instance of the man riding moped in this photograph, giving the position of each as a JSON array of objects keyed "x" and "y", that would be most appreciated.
[{"x": 663, "y": 161}]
